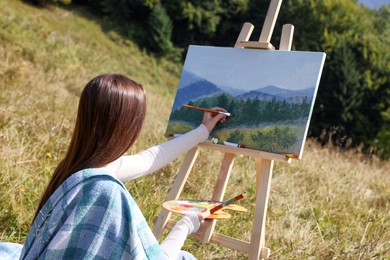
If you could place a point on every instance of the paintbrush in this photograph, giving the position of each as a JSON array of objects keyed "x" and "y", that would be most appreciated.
[
  {"x": 225, "y": 203},
  {"x": 209, "y": 110}
]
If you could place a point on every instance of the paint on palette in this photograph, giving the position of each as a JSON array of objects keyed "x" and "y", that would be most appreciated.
[{"x": 185, "y": 206}]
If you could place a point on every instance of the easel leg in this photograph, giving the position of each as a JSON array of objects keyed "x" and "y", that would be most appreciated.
[
  {"x": 176, "y": 190},
  {"x": 263, "y": 185},
  {"x": 207, "y": 228}
]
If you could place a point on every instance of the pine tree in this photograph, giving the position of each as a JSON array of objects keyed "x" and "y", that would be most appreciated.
[{"x": 160, "y": 29}]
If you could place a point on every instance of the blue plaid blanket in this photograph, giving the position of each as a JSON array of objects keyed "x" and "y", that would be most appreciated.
[{"x": 91, "y": 216}]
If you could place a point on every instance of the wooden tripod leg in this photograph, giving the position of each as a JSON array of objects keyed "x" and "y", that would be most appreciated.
[
  {"x": 270, "y": 21},
  {"x": 207, "y": 229},
  {"x": 176, "y": 190},
  {"x": 244, "y": 35},
  {"x": 263, "y": 185},
  {"x": 286, "y": 37}
]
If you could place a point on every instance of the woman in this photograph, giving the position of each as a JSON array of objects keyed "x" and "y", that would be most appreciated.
[{"x": 86, "y": 212}]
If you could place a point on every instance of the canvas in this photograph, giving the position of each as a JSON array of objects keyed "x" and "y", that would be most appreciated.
[{"x": 270, "y": 92}]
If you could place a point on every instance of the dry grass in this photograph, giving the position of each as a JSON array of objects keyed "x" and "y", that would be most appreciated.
[{"x": 329, "y": 205}]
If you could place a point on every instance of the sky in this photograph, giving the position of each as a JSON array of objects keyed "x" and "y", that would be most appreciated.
[
  {"x": 249, "y": 69},
  {"x": 374, "y": 4}
]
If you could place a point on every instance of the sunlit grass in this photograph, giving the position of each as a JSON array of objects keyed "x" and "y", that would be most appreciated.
[{"x": 329, "y": 205}]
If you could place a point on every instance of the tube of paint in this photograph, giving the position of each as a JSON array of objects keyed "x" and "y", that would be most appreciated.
[
  {"x": 213, "y": 140},
  {"x": 233, "y": 144}
]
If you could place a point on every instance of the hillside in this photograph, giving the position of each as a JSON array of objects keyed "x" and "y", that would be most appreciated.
[{"x": 328, "y": 205}]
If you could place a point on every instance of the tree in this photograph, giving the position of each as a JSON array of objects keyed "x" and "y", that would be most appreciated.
[
  {"x": 160, "y": 29},
  {"x": 338, "y": 106},
  {"x": 205, "y": 22},
  {"x": 275, "y": 140},
  {"x": 353, "y": 91},
  {"x": 235, "y": 137},
  {"x": 354, "y": 88}
]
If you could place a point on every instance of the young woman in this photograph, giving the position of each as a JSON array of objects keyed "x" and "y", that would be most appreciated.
[{"x": 86, "y": 212}]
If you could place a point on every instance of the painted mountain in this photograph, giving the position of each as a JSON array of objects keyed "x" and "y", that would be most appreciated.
[
  {"x": 271, "y": 94},
  {"x": 193, "y": 87}
]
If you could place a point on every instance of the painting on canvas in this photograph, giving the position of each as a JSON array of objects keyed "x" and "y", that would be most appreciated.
[{"x": 270, "y": 93}]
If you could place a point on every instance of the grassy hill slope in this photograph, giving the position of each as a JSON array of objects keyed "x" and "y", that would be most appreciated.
[{"x": 328, "y": 205}]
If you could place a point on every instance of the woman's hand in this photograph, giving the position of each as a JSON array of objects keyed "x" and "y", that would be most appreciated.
[
  {"x": 203, "y": 214},
  {"x": 211, "y": 119}
]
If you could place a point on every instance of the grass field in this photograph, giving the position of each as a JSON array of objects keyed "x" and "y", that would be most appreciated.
[{"x": 329, "y": 205}]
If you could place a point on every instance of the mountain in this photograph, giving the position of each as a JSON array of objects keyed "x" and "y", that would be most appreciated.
[
  {"x": 287, "y": 93},
  {"x": 232, "y": 91},
  {"x": 197, "y": 89},
  {"x": 253, "y": 94},
  {"x": 193, "y": 87},
  {"x": 279, "y": 94},
  {"x": 187, "y": 78}
]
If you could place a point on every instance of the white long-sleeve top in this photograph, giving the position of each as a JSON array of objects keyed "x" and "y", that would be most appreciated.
[{"x": 130, "y": 167}]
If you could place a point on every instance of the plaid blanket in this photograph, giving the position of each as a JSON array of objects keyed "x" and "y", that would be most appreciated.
[
  {"x": 10, "y": 251},
  {"x": 91, "y": 216}
]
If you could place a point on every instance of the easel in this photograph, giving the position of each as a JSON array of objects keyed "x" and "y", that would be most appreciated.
[{"x": 264, "y": 161}]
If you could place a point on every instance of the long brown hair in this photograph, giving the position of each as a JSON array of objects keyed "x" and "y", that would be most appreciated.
[{"x": 110, "y": 116}]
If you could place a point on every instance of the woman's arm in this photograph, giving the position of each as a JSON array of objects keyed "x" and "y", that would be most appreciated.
[
  {"x": 173, "y": 243},
  {"x": 190, "y": 223},
  {"x": 156, "y": 157}
]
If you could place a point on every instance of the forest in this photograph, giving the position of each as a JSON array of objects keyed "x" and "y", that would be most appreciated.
[
  {"x": 269, "y": 126},
  {"x": 352, "y": 108},
  {"x": 250, "y": 112},
  {"x": 334, "y": 203}
]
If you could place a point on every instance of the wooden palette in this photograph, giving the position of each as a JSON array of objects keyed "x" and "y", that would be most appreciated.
[{"x": 183, "y": 207}]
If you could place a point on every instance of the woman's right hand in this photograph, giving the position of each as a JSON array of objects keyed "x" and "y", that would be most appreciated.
[{"x": 211, "y": 119}]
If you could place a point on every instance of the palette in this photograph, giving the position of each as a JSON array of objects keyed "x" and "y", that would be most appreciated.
[{"x": 185, "y": 206}]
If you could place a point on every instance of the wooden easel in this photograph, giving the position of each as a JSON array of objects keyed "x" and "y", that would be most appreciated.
[{"x": 264, "y": 161}]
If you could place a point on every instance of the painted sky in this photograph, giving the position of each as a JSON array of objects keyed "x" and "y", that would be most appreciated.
[{"x": 252, "y": 69}]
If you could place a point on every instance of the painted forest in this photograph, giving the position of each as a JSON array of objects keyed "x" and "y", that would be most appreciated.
[{"x": 278, "y": 118}]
